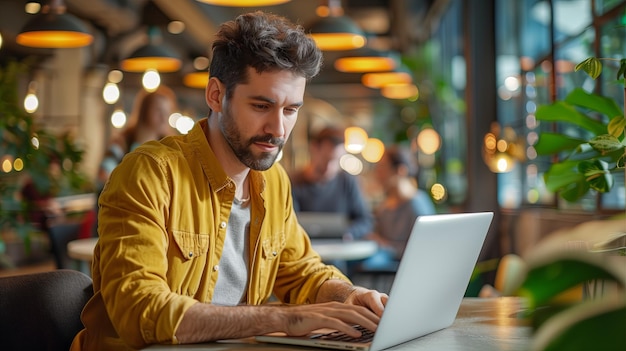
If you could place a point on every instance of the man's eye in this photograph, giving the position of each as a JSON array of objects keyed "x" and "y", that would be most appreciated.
[
  {"x": 260, "y": 106},
  {"x": 291, "y": 110}
]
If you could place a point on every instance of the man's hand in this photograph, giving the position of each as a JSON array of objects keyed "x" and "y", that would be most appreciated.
[
  {"x": 372, "y": 299},
  {"x": 303, "y": 319},
  {"x": 342, "y": 291}
]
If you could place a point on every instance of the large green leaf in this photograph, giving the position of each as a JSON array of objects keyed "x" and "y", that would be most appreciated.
[
  {"x": 559, "y": 175},
  {"x": 554, "y": 143},
  {"x": 593, "y": 325},
  {"x": 561, "y": 111},
  {"x": 597, "y": 175},
  {"x": 606, "y": 143},
  {"x": 606, "y": 106}
]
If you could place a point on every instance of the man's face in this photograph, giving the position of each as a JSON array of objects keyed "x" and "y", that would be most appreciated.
[{"x": 260, "y": 115}]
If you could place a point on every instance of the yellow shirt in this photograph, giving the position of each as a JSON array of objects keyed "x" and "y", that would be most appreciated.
[{"x": 162, "y": 221}]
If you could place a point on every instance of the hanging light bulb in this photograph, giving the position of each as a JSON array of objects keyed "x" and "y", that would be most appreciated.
[
  {"x": 111, "y": 93},
  {"x": 31, "y": 102},
  {"x": 151, "y": 80},
  {"x": 118, "y": 118}
]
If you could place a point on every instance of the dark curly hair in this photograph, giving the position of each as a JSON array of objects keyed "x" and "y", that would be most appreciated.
[{"x": 266, "y": 42}]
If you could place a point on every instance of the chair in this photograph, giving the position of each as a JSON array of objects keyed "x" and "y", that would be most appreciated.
[
  {"x": 41, "y": 311},
  {"x": 60, "y": 234}
]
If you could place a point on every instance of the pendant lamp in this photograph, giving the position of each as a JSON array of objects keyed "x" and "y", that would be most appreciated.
[
  {"x": 336, "y": 32},
  {"x": 153, "y": 55},
  {"x": 198, "y": 79},
  {"x": 365, "y": 60},
  {"x": 54, "y": 28},
  {"x": 377, "y": 80},
  {"x": 244, "y": 3}
]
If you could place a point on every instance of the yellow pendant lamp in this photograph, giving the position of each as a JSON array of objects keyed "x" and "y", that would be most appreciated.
[
  {"x": 244, "y": 3},
  {"x": 365, "y": 60},
  {"x": 54, "y": 28},
  {"x": 334, "y": 31},
  {"x": 153, "y": 55}
]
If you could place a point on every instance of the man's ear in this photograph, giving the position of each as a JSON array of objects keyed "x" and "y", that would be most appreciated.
[{"x": 214, "y": 94}]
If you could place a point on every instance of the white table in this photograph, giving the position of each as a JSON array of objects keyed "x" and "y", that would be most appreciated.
[
  {"x": 482, "y": 324},
  {"x": 330, "y": 250}
]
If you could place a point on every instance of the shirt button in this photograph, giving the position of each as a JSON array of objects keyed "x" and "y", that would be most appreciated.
[
  {"x": 216, "y": 268},
  {"x": 223, "y": 225},
  {"x": 190, "y": 254}
]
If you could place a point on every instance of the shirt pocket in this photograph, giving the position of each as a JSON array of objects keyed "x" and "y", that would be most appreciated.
[
  {"x": 191, "y": 245},
  {"x": 272, "y": 247}
]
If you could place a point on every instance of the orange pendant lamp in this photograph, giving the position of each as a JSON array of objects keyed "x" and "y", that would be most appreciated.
[
  {"x": 153, "y": 55},
  {"x": 54, "y": 28}
]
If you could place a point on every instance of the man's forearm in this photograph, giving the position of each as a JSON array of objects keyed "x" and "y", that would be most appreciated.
[
  {"x": 334, "y": 290},
  {"x": 204, "y": 322}
]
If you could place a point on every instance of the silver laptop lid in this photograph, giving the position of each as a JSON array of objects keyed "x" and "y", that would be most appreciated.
[{"x": 432, "y": 277}]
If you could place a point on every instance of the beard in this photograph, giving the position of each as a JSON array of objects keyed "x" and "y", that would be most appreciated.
[{"x": 242, "y": 148}]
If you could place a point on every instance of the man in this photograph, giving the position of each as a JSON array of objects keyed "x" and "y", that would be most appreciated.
[
  {"x": 322, "y": 186},
  {"x": 195, "y": 231}
]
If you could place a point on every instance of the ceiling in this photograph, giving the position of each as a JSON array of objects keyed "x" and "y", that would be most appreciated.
[{"x": 120, "y": 27}]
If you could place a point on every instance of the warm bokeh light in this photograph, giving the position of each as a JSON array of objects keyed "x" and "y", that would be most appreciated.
[
  {"x": 438, "y": 192},
  {"x": 428, "y": 141},
  {"x": 151, "y": 80},
  {"x": 35, "y": 142},
  {"x": 176, "y": 27},
  {"x": 359, "y": 64},
  {"x": 31, "y": 103},
  {"x": 32, "y": 7},
  {"x": 184, "y": 124},
  {"x": 110, "y": 93},
  {"x": 197, "y": 80},
  {"x": 379, "y": 79},
  {"x": 400, "y": 91},
  {"x": 18, "y": 164},
  {"x": 173, "y": 118},
  {"x": 351, "y": 164},
  {"x": 7, "y": 165},
  {"x": 115, "y": 76},
  {"x": 118, "y": 118},
  {"x": 355, "y": 139},
  {"x": 338, "y": 41},
  {"x": 373, "y": 150}
]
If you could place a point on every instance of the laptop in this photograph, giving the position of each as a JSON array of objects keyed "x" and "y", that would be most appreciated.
[
  {"x": 323, "y": 225},
  {"x": 429, "y": 286}
]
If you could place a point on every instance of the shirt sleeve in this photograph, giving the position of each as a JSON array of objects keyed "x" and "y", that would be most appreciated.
[{"x": 133, "y": 244}]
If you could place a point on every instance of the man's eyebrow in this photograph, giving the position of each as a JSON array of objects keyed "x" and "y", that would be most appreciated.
[{"x": 272, "y": 101}]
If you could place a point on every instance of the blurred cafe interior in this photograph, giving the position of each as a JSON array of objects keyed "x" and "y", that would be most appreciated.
[{"x": 473, "y": 76}]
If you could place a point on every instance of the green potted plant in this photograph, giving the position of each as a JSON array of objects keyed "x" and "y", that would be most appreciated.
[
  {"x": 597, "y": 321},
  {"x": 26, "y": 150}
]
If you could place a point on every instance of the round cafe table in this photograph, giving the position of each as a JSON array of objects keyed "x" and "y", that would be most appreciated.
[{"x": 329, "y": 250}]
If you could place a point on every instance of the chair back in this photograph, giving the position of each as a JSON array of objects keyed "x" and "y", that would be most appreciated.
[{"x": 41, "y": 311}]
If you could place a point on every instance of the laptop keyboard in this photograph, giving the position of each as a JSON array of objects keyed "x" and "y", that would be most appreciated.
[{"x": 366, "y": 335}]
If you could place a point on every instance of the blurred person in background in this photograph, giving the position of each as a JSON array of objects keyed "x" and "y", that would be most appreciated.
[
  {"x": 323, "y": 186},
  {"x": 403, "y": 202},
  {"x": 149, "y": 121}
]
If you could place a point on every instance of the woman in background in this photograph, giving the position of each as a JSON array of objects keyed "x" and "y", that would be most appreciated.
[
  {"x": 403, "y": 202},
  {"x": 149, "y": 121}
]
